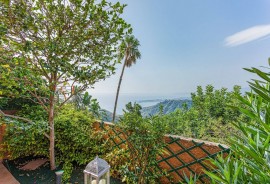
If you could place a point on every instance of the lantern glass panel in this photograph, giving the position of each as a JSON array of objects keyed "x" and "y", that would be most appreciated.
[{"x": 97, "y": 172}]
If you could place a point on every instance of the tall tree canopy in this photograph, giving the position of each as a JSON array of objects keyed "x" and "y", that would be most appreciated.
[{"x": 49, "y": 46}]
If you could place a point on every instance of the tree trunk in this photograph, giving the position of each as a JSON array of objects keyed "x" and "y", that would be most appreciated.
[
  {"x": 52, "y": 141},
  {"x": 51, "y": 120},
  {"x": 118, "y": 89}
]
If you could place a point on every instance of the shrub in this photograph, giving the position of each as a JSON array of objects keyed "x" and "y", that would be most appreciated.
[
  {"x": 118, "y": 157},
  {"x": 249, "y": 161},
  {"x": 76, "y": 141},
  {"x": 144, "y": 142},
  {"x": 23, "y": 139}
]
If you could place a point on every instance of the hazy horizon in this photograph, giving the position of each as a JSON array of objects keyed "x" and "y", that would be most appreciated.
[
  {"x": 185, "y": 44},
  {"x": 106, "y": 100}
]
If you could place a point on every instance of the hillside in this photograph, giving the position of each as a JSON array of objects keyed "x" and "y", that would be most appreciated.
[
  {"x": 168, "y": 106},
  {"x": 108, "y": 116}
]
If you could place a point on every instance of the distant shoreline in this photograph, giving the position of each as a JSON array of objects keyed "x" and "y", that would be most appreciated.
[{"x": 146, "y": 101}]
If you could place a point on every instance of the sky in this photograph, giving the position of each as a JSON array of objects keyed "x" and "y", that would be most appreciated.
[{"x": 186, "y": 43}]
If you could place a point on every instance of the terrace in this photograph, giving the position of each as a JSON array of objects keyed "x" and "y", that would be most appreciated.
[
  {"x": 182, "y": 157},
  {"x": 53, "y": 53}
]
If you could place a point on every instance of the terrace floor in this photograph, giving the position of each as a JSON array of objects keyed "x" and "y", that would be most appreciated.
[
  {"x": 6, "y": 177},
  {"x": 40, "y": 175}
]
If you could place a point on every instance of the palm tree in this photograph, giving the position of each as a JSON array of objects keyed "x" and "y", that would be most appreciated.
[{"x": 128, "y": 50}]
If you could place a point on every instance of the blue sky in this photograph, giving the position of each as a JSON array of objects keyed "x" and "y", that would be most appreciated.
[{"x": 189, "y": 43}]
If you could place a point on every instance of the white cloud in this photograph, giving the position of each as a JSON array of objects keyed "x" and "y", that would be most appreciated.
[{"x": 248, "y": 35}]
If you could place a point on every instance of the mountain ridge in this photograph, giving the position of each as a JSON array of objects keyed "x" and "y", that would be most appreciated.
[{"x": 168, "y": 106}]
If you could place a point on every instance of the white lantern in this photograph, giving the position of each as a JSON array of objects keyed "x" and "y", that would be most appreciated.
[{"x": 97, "y": 172}]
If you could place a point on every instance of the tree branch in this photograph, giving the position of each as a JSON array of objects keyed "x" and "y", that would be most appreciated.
[
  {"x": 39, "y": 100},
  {"x": 72, "y": 94}
]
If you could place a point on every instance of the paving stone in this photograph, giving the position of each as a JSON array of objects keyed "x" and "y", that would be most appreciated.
[
  {"x": 34, "y": 164},
  {"x": 6, "y": 177}
]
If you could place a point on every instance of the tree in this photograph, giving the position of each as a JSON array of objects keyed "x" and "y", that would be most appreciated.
[
  {"x": 49, "y": 46},
  {"x": 210, "y": 116},
  {"x": 129, "y": 50}
]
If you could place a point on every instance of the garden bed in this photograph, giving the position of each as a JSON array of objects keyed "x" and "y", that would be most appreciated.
[{"x": 43, "y": 174}]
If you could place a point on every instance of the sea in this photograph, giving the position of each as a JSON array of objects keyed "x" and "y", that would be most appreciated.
[{"x": 106, "y": 100}]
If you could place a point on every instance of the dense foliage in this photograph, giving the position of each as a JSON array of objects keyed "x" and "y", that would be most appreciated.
[
  {"x": 209, "y": 117},
  {"x": 249, "y": 160},
  {"x": 49, "y": 47},
  {"x": 77, "y": 142},
  {"x": 7, "y": 103},
  {"x": 144, "y": 141}
]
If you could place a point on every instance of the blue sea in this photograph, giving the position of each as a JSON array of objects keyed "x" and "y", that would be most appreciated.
[{"x": 106, "y": 100}]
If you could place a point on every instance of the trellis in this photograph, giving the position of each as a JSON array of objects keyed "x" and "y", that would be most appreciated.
[
  {"x": 186, "y": 157},
  {"x": 182, "y": 157}
]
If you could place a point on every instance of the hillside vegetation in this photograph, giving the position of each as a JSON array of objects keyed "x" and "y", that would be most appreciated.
[
  {"x": 210, "y": 117},
  {"x": 108, "y": 116},
  {"x": 167, "y": 106}
]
